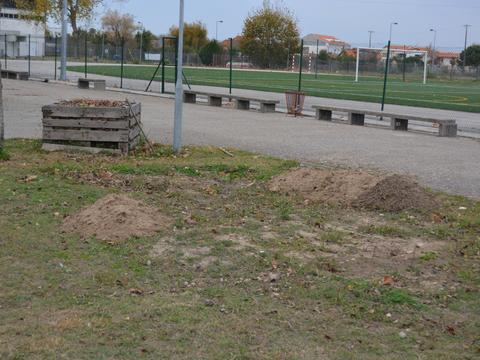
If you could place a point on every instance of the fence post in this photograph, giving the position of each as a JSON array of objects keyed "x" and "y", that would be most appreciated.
[
  {"x": 301, "y": 67},
  {"x": 387, "y": 64},
  {"x": 121, "y": 67},
  {"x": 86, "y": 54},
  {"x": 5, "y": 55},
  {"x": 29, "y": 53},
  {"x": 231, "y": 64},
  {"x": 163, "y": 65},
  {"x": 316, "y": 60},
  {"x": 56, "y": 50}
]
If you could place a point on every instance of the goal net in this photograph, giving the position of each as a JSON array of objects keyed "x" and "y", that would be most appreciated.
[{"x": 404, "y": 64}]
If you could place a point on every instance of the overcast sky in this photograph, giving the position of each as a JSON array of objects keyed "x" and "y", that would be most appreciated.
[{"x": 349, "y": 20}]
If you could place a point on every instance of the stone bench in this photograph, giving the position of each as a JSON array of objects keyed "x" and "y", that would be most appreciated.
[
  {"x": 447, "y": 127},
  {"x": 15, "y": 75},
  {"x": 97, "y": 84},
  {"x": 241, "y": 102}
]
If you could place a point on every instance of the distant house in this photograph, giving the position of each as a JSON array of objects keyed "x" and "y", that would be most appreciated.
[
  {"x": 16, "y": 28},
  {"x": 446, "y": 58},
  {"x": 330, "y": 44},
  {"x": 225, "y": 44}
]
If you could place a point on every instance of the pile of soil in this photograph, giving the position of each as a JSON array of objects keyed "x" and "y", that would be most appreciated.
[
  {"x": 116, "y": 218},
  {"x": 93, "y": 103},
  {"x": 355, "y": 188}
]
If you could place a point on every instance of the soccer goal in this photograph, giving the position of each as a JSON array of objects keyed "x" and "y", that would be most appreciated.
[{"x": 371, "y": 61}]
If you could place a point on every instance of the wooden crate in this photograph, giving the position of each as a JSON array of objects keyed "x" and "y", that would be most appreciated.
[{"x": 92, "y": 129}]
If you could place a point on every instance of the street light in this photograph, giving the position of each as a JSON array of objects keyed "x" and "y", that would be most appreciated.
[
  {"x": 178, "y": 116},
  {"x": 391, "y": 30},
  {"x": 434, "y": 45},
  {"x": 63, "y": 67},
  {"x": 140, "y": 57},
  {"x": 370, "y": 33},
  {"x": 465, "y": 48},
  {"x": 216, "y": 28}
]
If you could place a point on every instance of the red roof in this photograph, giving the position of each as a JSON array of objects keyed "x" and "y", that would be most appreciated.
[{"x": 447, "y": 55}]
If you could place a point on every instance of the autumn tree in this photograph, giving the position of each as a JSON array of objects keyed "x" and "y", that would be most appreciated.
[
  {"x": 269, "y": 35},
  {"x": 208, "y": 52},
  {"x": 119, "y": 27},
  {"x": 472, "y": 57},
  {"x": 195, "y": 36},
  {"x": 145, "y": 38}
]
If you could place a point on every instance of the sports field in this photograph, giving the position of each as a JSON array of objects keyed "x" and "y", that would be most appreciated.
[{"x": 459, "y": 95}]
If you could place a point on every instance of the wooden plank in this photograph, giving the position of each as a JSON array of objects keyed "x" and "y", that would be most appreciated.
[
  {"x": 229, "y": 96},
  {"x": 87, "y": 123},
  {"x": 92, "y": 150},
  {"x": 85, "y": 135},
  {"x": 61, "y": 111}
]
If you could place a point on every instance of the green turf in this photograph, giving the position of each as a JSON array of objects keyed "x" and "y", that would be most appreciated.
[{"x": 460, "y": 95}]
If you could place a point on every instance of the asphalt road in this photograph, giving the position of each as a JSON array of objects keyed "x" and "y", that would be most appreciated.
[
  {"x": 469, "y": 123},
  {"x": 448, "y": 164}
]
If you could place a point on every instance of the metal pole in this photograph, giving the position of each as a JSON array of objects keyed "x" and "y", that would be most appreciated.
[
  {"x": 86, "y": 54},
  {"x": 316, "y": 60},
  {"x": 387, "y": 64},
  {"x": 357, "y": 72},
  {"x": 231, "y": 64},
  {"x": 56, "y": 53},
  {"x": 103, "y": 46},
  {"x": 176, "y": 60},
  {"x": 63, "y": 67},
  {"x": 370, "y": 32},
  {"x": 465, "y": 48},
  {"x": 177, "y": 130},
  {"x": 404, "y": 63},
  {"x": 163, "y": 65},
  {"x": 29, "y": 54},
  {"x": 301, "y": 68},
  {"x": 425, "y": 69},
  {"x": 5, "y": 40},
  {"x": 121, "y": 66}
]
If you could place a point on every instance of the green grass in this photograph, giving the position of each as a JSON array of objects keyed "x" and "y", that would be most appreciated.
[
  {"x": 67, "y": 297},
  {"x": 460, "y": 95}
]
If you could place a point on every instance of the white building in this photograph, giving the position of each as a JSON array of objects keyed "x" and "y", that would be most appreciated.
[
  {"x": 15, "y": 31},
  {"x": 328, "y": 43}
]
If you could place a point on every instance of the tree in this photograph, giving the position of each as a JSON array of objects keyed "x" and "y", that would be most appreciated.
[
  {"x": 195, "y": 36},
  {"x": 473, "y": 57},
  {"x": 208, "y": 52},
  {"x": 269, "y": 35},
  {"x": 118, "y": 27},
  {"x": 323, "y": 55},
  {"x": 147, "y": 38}
]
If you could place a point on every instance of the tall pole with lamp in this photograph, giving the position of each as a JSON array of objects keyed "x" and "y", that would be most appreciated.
[
  {"x": 140, "y": 50},
  {"x": 216, "y": 28},
  {"x": 434, "y": 49},
  {"x": 178, "y": 116},
  {"x": 63, "y": 61},
  {"x": 370, "y": 33},
  {"x": 465, "y": 47}
]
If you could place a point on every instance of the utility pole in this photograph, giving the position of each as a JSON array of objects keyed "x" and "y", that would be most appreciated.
[
  {"x": 63, "y": 61},
  {"x": 434, "y": 49},
  {"x": 370, "y": 33},
  {"x": 216, "y": 28},
  {"x": 177, "y": 129},
  {"x": 465, "y": 48}
]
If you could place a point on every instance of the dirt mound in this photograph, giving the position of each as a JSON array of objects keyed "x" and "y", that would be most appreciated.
[
  {"x": 396, "y": 193},
  {"x": 116, "y": 218},
  {"x": 354, "y": 188}
]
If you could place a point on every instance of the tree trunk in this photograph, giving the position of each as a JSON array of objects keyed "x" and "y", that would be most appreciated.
[{"x": 1, "y": 114}]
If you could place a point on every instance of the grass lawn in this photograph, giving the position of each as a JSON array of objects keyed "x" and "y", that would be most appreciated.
[
  {"x": 244, "y": 273},
  {"x": 442, "y": 94}
]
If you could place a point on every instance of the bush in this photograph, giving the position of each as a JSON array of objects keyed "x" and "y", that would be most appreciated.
[{"x": 208, "y": 52}]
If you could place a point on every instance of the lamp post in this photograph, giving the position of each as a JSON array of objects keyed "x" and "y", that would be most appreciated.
[
  {"x": 177, "y": 129},
  {"x": 391, "y": 30},
  {"x": 216, "y": 28},
  {"x": 140, "y": 57},
  {"x": 63, "y": 66},
  {"x": 434, "y": 49},
  {"x": 370, "y": 33},
  {"x": 465, "y": 48}
]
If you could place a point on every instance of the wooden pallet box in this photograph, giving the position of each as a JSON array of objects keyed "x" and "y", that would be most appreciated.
[{"x": 114, "y": 128}]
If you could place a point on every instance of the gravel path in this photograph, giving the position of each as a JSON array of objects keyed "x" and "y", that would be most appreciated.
[{"x": 449, "y": 164}]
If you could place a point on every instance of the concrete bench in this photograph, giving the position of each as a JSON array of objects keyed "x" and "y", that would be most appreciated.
[
  {"x": 241, "y": 102},
  {"x": 97, "y": 84},
  {"x": 447, "y": 127},
  {"x": 16, "y": 75}
]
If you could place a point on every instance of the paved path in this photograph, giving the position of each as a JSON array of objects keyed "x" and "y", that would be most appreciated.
[
  {"x": 469, "y": 123},
  {"x": 449, "y": 164}
]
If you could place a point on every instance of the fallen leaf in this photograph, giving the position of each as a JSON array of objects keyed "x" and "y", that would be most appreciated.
[
  {"x": 29, "y": 178},
  {"x": 451, "y": 330},
  {"x": 388, "y": 281},
  {"x": 136, "y": 292}
]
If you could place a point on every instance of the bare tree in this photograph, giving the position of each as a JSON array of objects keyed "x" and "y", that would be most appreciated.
[{"x": 119, "y": 27}]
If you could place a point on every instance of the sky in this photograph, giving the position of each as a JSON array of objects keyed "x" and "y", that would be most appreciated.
[{"x": 349, "y": 20}]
